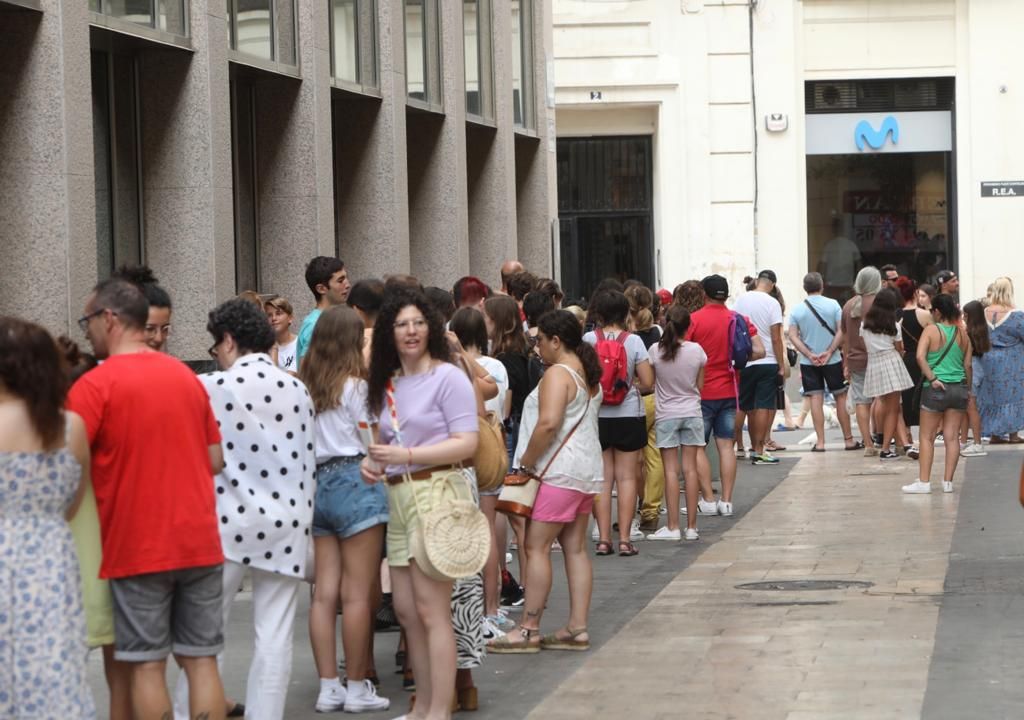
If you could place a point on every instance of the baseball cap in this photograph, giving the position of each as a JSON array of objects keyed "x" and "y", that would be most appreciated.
[
  {"x": 716, "y": 287},
  {"x": 944, "y": 276},
  {"x": 664, "y": 296},
  {"x": 768, "y": 275}
]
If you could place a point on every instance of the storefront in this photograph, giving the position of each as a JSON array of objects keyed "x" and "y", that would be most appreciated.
[{"x": 880, "y": 178}]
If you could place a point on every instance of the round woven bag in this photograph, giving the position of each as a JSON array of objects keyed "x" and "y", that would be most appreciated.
[{"x": 453, "y": 539}]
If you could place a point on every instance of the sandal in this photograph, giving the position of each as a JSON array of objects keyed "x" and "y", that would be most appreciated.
[
  {"x": 817, "y": 449},
  {"x": 772, "y": 446},
  {"x": 604, "y": 547},
  {"x": 627, "y": 549},
  {"x": 524, "y": 645},
  {"x": 857, "y": 444},
  {"x": 553, "y": 642}
]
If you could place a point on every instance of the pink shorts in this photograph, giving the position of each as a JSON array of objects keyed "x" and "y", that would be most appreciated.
[{"x": 559, "y": 505}]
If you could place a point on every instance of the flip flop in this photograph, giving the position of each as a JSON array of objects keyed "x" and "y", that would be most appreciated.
[
  {"x": 818, "y": 449},
  {"x": 857, "y": 444}
]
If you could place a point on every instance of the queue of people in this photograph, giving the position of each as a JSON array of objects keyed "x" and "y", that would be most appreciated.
[{"x": 334, "y": 454}]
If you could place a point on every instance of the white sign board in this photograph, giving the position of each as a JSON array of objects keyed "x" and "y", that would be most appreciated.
[{"x": 871, "y": 133}]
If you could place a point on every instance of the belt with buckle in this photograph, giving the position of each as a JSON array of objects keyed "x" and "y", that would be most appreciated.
[{"x": 425, "y": 473}]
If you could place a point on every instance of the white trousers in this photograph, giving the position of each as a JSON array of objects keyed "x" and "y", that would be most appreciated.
[{"x": 274, "y": 599}]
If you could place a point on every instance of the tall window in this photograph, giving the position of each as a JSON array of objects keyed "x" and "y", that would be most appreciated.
[
  {"x": 522, "y": 63},
  {"x": 264, "y": 29},
  {"x": 354, "y": 43},
  {"x": 117, "y": 167},
  {"x": 423, "y": 53},
  {"x": 167, "y": 15},
  {"x": 476, "y": 22},
  {"x": 246, "y": 198}
]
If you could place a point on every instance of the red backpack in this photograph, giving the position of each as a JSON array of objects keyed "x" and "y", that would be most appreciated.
[{"x": 611, "y": 353}]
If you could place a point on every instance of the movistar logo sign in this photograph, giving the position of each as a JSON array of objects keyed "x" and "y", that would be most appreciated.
[{"x": 876, "y": 138}]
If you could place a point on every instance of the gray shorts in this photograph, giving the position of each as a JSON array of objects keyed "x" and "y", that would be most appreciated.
[
  {"x": 679, "y": 431},
  {"x": 857, "y": 396},
  {"x": 952, "y": 397},
  {"x": 177, "y": 611}
]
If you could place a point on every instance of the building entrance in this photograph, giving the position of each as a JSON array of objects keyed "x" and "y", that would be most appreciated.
[
  {"x": 880, "y": 179},
  {"x": 605, "y": 211}
]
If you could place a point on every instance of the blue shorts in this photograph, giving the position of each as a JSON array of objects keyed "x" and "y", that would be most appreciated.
[
  {"x": 345, "y": 504},
  {"x": 720, "y": 418}
]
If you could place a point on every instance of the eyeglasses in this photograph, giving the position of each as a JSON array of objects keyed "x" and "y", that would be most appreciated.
[
  {"x": 416, "y": 324},
  {"x": 152, "y": 330},
  {"x": 83, "y": 322}
]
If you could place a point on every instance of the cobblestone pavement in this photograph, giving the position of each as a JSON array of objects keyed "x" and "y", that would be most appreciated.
[{"x": 932, "y": 631}]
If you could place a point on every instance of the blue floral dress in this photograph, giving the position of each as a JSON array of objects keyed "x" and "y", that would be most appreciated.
[
  {"x": 1000, "y": 394},
  {"x": 42, "y": 627}
]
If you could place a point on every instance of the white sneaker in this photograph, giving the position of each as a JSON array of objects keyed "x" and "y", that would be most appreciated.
[
  {"x": 663, "y": 510},
  {"x": 917, "y": 488},
  {"x": 947, "y": 487},
  {"x": 691, "y": 534},
  {"x": 596, "y": 534},
  {"x": 707, "y": 507},
  {"x": 635, "y": 533},
  {"x": 362, "y": 697},
  {"x": 490, "y": 629},
  {"x": 331, "y": 698},
  {"x": 664, "y": 533},
  {"x": 724, "y": 508},
  {"x": 973, "y": 450}
]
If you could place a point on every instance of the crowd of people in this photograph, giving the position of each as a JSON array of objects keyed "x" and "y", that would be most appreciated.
[{"x": 137, "y": 496}]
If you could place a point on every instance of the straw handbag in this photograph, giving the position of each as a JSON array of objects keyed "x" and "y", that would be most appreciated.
[{"x": 520, "y": 490}]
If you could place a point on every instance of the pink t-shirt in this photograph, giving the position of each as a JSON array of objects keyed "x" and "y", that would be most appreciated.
[
  {"x": 675, "y": 381},
  {"x": 431, "y": 406}
]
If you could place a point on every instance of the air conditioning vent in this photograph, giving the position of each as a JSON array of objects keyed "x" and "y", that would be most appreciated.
[
  {"x": 835, "y": 96},
  {"x": 881, "y": 95}
]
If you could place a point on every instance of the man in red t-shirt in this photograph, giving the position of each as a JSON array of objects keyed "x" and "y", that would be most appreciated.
[
  {"x": 155, "y": 448},
  {"x": 709, "y": 328}
]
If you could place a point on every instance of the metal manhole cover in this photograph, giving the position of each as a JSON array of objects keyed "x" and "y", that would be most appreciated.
[{"x": 791, "y": 585}]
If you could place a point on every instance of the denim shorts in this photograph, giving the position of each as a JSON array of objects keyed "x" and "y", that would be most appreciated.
[
  {"x": 674, "y": 432},
  {"x": 345, "y": 504},
  {"x": 719, "y": 418},
  {"x": 952, "y": 397},
  {"x": 178, "y": 611}
]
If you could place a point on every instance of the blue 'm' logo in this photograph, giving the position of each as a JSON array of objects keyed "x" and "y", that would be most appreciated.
[{"x": 876, "y": 138}]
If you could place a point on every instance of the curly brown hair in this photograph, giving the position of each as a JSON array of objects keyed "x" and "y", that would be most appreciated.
[
  {"x": 690, "y": 295},
  {"x": 33, "y": 368}
]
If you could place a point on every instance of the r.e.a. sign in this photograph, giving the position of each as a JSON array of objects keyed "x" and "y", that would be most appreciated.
[{"x": 1003, "y": 188}]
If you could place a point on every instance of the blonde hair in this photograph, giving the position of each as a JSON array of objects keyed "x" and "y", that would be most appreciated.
[
  {"x": 279, "y": 302},
  {"x": 578, "y": 313},
  {"x": 335, "y": 354},
  {"x": 1002, "y": 292}
]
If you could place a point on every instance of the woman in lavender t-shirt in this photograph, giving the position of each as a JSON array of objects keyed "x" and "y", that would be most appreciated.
[{"x": 431, "y": 424}]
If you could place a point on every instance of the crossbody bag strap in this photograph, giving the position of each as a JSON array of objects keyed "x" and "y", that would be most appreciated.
[
  {"x": 820, "y": 318},
  {"x": 561, "y": 445}
]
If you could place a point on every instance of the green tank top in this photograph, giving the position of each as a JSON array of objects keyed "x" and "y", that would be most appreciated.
[{"x": 951, "y": 369}]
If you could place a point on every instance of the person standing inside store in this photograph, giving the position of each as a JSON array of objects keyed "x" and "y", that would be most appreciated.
[
  {"x": 855, "y": 355},
  {"x": 761, "y": 379},
  {"x": 815, "y": 329},
  {"x": 710, "y": 327},
  {"x": 156, "y": 502},
  {"x": 328, "y": 281},
  {"x": 840, "y": 261}
]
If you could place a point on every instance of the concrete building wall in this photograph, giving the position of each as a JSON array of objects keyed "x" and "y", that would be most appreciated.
[
  {"x": 337, "y": 168},
  {"x": 681, "y": 72}
]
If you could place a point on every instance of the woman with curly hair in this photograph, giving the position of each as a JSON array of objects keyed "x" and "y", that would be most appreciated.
[
  {"x": 690, "y": 295},
  {"x": 428, "y": 426}
]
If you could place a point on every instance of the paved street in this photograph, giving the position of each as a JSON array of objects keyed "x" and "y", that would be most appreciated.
[{"x": 933, "y": 631}]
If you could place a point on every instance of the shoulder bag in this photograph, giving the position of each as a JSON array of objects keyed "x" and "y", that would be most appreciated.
[
  {"x": 491, "y": 459},
  {"x": 452, "y": 538},
  {"x": 520, "y": 490}
]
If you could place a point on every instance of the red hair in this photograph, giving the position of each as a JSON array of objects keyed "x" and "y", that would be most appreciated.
[
  {"x": 469, "y": 290},
  {"x": 906, "y": 287}
]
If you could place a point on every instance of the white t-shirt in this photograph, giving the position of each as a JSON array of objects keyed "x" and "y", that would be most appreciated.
[
  {"x": 880, "y": 342},
  {"x": 675, "y": 381},
  {"x": 497, "y": 371},
  {"x": 763, "y": 311},
  {"x": 636, "y": 353},
  {"x": 286, "y": 356},
  {"x": 336, "y": 431}
]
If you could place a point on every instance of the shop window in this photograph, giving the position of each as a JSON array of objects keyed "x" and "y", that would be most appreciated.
[
  {"x": 246, "y": 197},
  {"x": 263, "y": 30},
  {"x": 354, "y": 43},
  {"x": 117, "y": 166},
  {"x": 522, "y": 64},
  {"x": 476, "y": 23},
  {"x": 166, "y": 15},
  {"x": 423, "y": 54}
]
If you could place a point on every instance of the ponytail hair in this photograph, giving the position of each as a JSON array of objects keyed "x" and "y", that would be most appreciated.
[
  {"x": 677, "y": 322},
  {"x": 563, "y": 325}
]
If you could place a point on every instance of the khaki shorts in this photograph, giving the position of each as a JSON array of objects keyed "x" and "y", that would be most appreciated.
[
  {"x": 856, "y": 394},
  {"x": 404, "y": 516}
]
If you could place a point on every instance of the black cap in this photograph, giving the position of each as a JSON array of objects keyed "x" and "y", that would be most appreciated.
[
  {"x": 944, "y": 276},
  {"x": 768, "y": 275},
  {"x": 716, "y": 287}
]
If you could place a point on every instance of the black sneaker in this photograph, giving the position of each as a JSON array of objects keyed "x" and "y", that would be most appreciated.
[
  {"x": 888, "y": 455},
  {"x": 512, "y": 594},
  {"x": 876, "y": 439},
  {"x": 385, "y": 619}
]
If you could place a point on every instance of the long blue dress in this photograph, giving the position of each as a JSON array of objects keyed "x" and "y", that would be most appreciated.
[
  {"x": 1001, "y": 392},
  {"x": 42, "y": 627}
]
